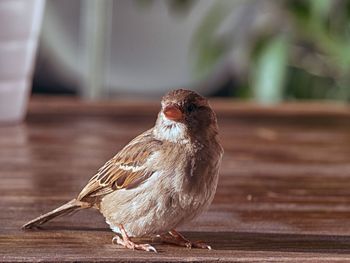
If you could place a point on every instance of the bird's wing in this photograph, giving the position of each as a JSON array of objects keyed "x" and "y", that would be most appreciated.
[{"x": 127, "y": 169}]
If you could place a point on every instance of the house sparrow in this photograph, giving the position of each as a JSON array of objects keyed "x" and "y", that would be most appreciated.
[{"x": 164, "y": 177}]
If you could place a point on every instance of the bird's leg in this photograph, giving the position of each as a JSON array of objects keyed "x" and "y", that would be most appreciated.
[
  {"x": 174, "y": 237},
  {"x": 127, "y": 243},
  {"x": 170, "y": 239}
]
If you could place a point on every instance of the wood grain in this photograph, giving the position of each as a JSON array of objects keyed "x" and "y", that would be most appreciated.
[{"x": 283, "y": 195}]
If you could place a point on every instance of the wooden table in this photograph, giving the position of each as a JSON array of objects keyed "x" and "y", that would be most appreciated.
[{"x": 283, "y": 195}]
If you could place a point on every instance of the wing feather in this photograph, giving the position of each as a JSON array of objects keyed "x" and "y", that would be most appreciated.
[{"x": 128, "y": 169}]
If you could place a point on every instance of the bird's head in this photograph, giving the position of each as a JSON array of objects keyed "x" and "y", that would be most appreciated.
[{"x": 185, "y": 113}]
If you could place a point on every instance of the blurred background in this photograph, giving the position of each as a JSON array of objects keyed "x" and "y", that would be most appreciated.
[
  {"x": 266, "y": 50},
  {"x": 262, "y": 50}
]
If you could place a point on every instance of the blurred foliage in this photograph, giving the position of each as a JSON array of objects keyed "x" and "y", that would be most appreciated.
[
  {"x": 278, "y": 49},
  {"x": 208, "y": 48}
]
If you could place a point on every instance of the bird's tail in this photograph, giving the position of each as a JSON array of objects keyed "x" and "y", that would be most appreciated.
[{"x": 69, "y": 207}]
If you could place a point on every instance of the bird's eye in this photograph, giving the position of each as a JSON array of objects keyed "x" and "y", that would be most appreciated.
[{"x": 191, "y": 107}]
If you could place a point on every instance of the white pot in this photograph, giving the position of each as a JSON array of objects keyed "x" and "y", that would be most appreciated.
[{"x": 20, "y": 22}]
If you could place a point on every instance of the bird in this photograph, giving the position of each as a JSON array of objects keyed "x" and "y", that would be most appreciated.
[{"x": 161, "y": 179}]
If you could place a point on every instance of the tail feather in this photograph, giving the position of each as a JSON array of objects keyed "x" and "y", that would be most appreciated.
[{"x": 69, "y": 207}]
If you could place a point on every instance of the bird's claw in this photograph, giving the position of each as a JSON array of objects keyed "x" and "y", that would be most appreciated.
[
  {"x": 188, "y": 244},
  {"x": 146, "y": 247},
  {"x": 174, "y": 237},
  {"x": 200, "y": 244},
  {"x": 197, "y": 244},
  {"x": 131, "y": 245}
]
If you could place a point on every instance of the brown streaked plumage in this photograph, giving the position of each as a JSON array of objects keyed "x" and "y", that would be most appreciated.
[{"x": 164, "y": 177}]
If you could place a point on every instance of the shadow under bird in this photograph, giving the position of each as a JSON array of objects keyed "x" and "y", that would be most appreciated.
[{"x": 163, "y": 178}]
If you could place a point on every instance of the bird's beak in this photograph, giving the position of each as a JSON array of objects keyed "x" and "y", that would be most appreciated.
[{"x": 173, "y": 112}]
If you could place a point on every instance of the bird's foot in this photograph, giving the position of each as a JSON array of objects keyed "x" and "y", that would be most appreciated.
[
  {"x": 200, "y": 244},
  {"x": 131, "y": 245},
  {"x": 174, "y": 237},
  {"x": 127, "y": 243}
]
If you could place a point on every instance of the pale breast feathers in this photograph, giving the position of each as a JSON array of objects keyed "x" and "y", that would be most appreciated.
[{"x": 129, "y": 168}]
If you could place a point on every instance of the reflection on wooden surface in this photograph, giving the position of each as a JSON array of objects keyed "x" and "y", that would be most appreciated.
[{"x": 284, "y": 191}]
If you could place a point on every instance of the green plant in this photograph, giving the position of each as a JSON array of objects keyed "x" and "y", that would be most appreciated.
[{"x": 289, "y": 49}]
